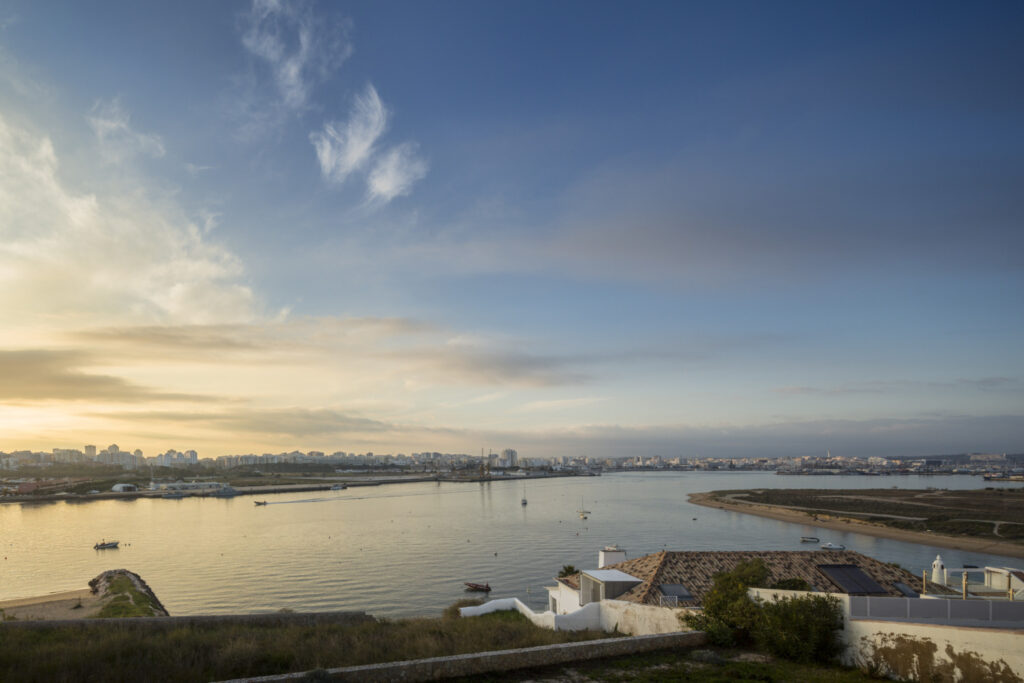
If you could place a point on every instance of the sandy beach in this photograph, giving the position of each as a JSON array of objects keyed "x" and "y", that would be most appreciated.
[
  {"x": 64, "y": 605},
  {"x": 861, "y": 527}
]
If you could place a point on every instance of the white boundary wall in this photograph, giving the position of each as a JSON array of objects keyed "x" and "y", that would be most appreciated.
[
  {"x": 926, "y": 648},
  {"x": 607, "y": 615}
]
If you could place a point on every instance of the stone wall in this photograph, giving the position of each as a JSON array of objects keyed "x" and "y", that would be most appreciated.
[{"x": 437, "y": 668}]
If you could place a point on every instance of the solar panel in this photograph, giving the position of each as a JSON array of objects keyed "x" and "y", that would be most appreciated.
[
  {"x": 905, "y": 589},
  {"x": 851, "y": 579},
  {"x": 676, "y": 589}
]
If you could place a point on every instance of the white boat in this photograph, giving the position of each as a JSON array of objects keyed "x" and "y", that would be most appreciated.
[
  {"x": 582, "y": 512},
  {"x": 832, "y": 546},
  {"x": 339, "y": 487}
]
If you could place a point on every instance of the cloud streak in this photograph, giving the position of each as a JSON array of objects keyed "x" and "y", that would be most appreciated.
[
  {"x": 116, "y": 256},
  {"x": 344, "y": 147},
  {"x": 35, "y": 375},
  {"x": 119, "y": 142},
  {"x": 395, "y": 172},
  {"x": 299, "y": 49}
]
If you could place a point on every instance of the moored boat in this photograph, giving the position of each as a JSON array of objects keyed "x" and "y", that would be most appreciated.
[
  {"x": 832, "y": 546},
  {"x": 260, "y": 502},
  {"x": 478, "y": 587},
  {"x": 809, "y": 539},
  {"x": 105, "y": 545}
]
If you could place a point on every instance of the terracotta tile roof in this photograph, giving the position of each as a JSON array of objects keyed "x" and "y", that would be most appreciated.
[
  {"x": 572, "y": 581},
  {"x": 695, "y": 571}
]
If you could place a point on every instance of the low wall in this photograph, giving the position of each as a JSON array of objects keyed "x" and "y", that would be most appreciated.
[
  {"x": 437, "y": 668},
  {"x": 639, "y": 620},
  {"x": 271, "y": 619},
  {"x": 587, "y": 617},
  {"x": 922, "y": 648}
]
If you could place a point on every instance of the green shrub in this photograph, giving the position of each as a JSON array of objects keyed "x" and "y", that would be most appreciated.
[
  {"x": 791, "y": 585},
  {"x": 729, "y": 615},
  {"x": 802, "y": 629}
]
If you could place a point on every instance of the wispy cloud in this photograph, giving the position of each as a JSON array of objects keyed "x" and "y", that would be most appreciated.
[
  {"x": 119, "y": 142},
  {"x": 113, "y": 257},
  {"x": 345, "y": 146},
  {"x": 299, "y": 49},
  {"x": 47, "y": 375},
  {"x": 395, "y": 172}
]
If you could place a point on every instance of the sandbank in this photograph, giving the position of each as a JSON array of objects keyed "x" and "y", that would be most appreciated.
[
  {"x": 63, "y": 605},
  {"x": 978, "y": 545}
]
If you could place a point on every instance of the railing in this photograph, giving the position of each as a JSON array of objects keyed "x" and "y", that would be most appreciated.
[{"x": 936, "y": 610}]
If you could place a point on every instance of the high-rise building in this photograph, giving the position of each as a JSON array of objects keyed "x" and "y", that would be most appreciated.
[{"x": 90, "y": 452}]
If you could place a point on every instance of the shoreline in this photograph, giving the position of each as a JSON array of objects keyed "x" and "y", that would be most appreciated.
[{"x": 978, "y": 545}]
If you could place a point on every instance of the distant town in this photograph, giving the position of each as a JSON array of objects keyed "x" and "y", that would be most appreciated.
[{"x": 28, "y": 471}]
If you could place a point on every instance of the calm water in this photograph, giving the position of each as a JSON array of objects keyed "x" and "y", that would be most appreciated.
[{"x": 405, "y": 549}]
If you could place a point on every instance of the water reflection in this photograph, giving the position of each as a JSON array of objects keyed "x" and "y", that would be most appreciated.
[{"x": 406, "y": 549}]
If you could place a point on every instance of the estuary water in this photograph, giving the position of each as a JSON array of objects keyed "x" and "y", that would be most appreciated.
[{"x": 406, "y": 549}]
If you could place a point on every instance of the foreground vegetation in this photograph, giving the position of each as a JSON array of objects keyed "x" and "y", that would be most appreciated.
[
  {"x": 700, "y": 666},
  {"x": 119, "y": 650},
  {"x": 995, "y": 513}
]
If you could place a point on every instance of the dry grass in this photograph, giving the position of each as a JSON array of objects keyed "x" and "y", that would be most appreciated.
[{"x": 123, "y": 651}]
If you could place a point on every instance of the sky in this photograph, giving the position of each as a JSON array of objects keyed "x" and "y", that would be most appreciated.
[{"x": 736, "y": 229}]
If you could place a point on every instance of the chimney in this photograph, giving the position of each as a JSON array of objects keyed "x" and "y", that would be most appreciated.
[{"x": 610, "y": 554}]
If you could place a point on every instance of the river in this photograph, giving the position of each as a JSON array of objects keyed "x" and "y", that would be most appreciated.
[{"x": 406, "y": 549}]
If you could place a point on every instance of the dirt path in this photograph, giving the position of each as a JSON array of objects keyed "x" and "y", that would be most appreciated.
[{"x": 1006, "y": 548}]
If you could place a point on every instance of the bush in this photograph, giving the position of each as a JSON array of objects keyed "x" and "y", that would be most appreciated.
[
  {"x": 802, "y": 629},
  {"x": 729, "y": 615}
]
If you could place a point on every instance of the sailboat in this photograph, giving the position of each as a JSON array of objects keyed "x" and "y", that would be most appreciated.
[
  {"x": 582, "y": 512},
  {"x": 523, "y": 501}
]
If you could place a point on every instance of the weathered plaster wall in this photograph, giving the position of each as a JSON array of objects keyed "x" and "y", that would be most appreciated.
[
  {"x": 639, "y": 620},
  {"x": 928, "y": 652}
]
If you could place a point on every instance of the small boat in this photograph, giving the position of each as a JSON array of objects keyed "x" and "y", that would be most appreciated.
[
  {"x": 224, "y": 492},
  {"x": 809, "y": 539},
  {"x": 832, "y": 546},
  {"x": 523, "y": 501},
  {"x": 582, "y": 512},
  {"x": 106, "y": 545},
  {"x": 260, "y": 502},
  {"x": 478, "y": 587},
  {"x": 339, "y": 487}
]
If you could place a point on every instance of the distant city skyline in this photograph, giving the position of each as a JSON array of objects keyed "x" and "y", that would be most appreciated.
[{"x": 587, "y": 229}]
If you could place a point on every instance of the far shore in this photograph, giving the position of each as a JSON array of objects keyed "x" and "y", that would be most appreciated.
[{"x": 782, "y": 514}]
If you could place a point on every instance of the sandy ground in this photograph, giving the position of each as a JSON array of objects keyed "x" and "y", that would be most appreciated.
[
  {"x": 980, "y": 545},
  {"x": 53, "y": 606}
]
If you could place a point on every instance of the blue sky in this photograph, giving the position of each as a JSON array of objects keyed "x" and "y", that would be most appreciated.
[{"x": 582, "y": 228}]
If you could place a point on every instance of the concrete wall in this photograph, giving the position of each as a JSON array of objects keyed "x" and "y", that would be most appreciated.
[
  {"x": 437, "y": 668},
  {"x": 639, "y": 620},
  {"x": 925, "y": 650},
  {"x": 607, "y": 615},
  {"x": 587, "y": 617}
]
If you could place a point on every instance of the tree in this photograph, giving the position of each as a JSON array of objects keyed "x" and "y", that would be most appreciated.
[
  {"x": 802, "y": 629},
  {"x": 567, "y": 570},
  {"x": 730, "y": 615}
]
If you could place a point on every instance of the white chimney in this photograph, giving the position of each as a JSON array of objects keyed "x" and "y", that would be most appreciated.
[
  {"x": 610, "y": 554},
  {"x": 938, "y": 570}
]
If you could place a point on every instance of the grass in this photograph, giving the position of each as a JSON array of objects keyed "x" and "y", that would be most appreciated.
[
  {"x": 128, "y": 601},
  {"x": 730, "y": 665},
  {"x": 122, "y": 651},
  {"x": 955, "y": 513}
]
